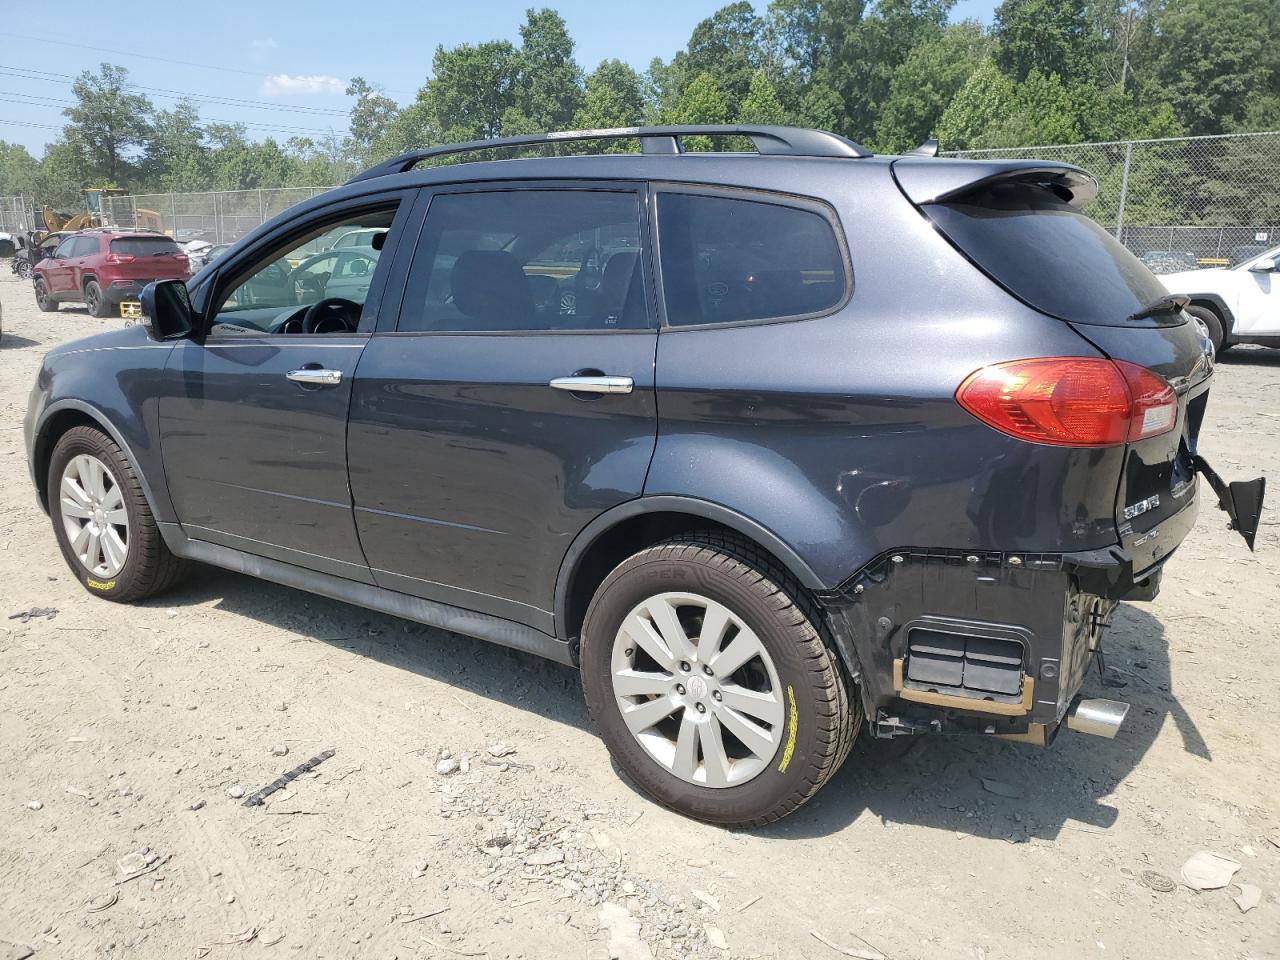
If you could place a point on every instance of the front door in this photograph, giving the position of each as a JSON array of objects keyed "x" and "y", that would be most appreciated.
[
  {"x": 253, "y": 417},
  {"x": 513, "y": 402},
  {"x": 57, "y": 267}
]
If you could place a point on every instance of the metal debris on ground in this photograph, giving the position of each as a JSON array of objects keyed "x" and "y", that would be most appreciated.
[
  {"x": 26, "y": 616},
  {"x": 1208, "y": 871},
  {"x": 1157, "y": 881},
  {"x": 1250, "y": 897},
  {"x": 255, "y": 799},
  {"x": 102, "y": 901},
  {"x": 1001, "y": 789},
  {"x": 856, "y": 952},
  {"x": 424, "y": 916}
]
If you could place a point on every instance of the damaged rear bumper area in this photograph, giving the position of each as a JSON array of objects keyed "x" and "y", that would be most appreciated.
[{"x": 1012, "y": 667}]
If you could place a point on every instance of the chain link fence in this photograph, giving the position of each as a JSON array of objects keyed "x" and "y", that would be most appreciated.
[
  {"x": 1214, "y": 199},
  {"x": 17, "y": 215},
  {"x": 219, "y": 216}
]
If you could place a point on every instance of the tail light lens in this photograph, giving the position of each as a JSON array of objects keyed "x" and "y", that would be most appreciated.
[
  {"x": 119, "y": 258},
  {"x": 1071, "y": 401}
]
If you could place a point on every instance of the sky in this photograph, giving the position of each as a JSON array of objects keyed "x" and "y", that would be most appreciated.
[{"x": 281, "y": 67}]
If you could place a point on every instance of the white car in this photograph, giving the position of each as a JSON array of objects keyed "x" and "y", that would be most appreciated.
[{"x": 1239, "y": 304}]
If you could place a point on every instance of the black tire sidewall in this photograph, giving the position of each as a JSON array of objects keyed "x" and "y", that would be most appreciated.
[
  {"x": 93, "y": 301},
  {"x": 82, "y": 440},
  {"x": 790, "y": 771},
  {"x": 45, "y": 303},
  {"x": 1211, "y": 321}
]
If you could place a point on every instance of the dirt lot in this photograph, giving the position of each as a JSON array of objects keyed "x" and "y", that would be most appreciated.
[{"x": 124, "y": 730}]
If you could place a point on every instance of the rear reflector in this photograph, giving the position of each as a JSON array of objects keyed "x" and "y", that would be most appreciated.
[{"x": 1071, "y": 401}]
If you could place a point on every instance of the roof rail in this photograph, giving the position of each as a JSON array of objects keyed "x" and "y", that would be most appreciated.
[{"x": 768, "y": 139}]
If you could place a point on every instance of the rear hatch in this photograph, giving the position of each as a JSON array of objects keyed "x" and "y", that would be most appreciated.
[
  {"x": 146, "y": 258},
  {"x": 1020, "y": 222}
]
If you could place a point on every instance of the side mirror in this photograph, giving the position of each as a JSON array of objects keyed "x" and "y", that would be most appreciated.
[
  {"x": 1265, "y": 266},
  {"x": 166, "y": 310}
]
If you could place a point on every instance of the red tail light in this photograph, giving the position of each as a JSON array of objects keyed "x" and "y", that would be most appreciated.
[
  {"x": 1071, "y": 401},
  {"x": 119, "y": 258}
]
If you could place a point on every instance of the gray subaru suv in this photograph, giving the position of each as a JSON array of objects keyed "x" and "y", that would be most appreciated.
[{"x": 772, "y": 446}]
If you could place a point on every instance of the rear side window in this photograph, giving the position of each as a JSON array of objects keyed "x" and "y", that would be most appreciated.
[
  {"x": 85, "y": 247},
  {"x": 144, "y": 246},
  {"x": 530, "y": 260},
  {"x": 1050, "y": 255},
  {"x": 726, "y": 259}
]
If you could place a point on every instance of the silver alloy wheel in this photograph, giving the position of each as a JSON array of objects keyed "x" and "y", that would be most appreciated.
[
  {"x": 697, "y": 689},
  {"x": 91, "y": 502}
]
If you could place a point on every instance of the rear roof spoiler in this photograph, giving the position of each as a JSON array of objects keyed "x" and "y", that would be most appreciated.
[{"x": 934, "y": 180}]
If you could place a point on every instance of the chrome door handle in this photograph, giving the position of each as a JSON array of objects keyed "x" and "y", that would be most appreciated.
[
  {"x": 593, "y": 384},
  {"x": 326, "y": 378}
]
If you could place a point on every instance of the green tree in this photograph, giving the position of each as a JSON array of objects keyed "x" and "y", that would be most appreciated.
[
  {"x": 701, "y": 102},
  {"x": 548, "y": 87},
  {"x": 19, "y": 171},
  {"x": 471, "y": 89},
  {"x": 1046, "y": 37},
  {"x": 370, "y": 114},
  {"x": 176, "y": 156},
  {"x": 108, "y": 119},
  {"x": 1217, "y": 58},
  {"x": 761, "y": 104},
  {"x": 729, "y": 47},
  {"x": 984, "y": 101},
  {"x": 614, "y": 98},
  {"x": 925, "y": 84}
]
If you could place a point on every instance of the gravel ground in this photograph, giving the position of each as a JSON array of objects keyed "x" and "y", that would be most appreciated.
[{"x": 128, "y": 733}]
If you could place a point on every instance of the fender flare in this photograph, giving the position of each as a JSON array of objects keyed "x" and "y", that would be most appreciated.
[
  {"x": 1220, "y": 305},
  {"x": 40, "y": 439},
  {"x": 667, "y": 503}
]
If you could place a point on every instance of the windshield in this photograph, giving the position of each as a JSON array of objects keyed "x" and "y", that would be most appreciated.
[
  {"x": 1253, "y": 257},
  {"x": 1051, "y": 256}
]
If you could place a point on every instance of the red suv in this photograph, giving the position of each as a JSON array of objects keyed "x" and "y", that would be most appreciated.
[{"x": 106, "y": 270}]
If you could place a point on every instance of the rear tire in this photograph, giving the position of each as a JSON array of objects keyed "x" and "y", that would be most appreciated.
[
  {"x": 1212, "y": 324},
  {"x": 24, "y": 269},
  {"x": 93, "y": 300},
  {"x": 44, "y": 301},
  {"x": 135, "y": 563},
  {"x": 792, "y": 689}
]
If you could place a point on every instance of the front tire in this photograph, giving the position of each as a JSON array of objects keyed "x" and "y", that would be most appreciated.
[
  {"x": 1211, "y": 324},
  {"x": 102, "y": 520},
  {"x": 94, "y": 301},
  {"x": 44, "y": 301},
  {"x": 704, "y": 667}
]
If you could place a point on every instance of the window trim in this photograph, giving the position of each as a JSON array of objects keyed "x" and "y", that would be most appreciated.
[
  {"x": 775, "y": 198},
  {"x": 638, "y": 188},
  {"x": 232, "y": 267}
]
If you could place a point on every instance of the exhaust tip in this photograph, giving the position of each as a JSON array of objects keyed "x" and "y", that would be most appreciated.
[{"x": 1098, "y": 718}]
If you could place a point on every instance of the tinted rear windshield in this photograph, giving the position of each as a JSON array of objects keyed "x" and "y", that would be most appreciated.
[
  {"x": 144, "y": 246},
  {"x": 1048, "y": 254}
]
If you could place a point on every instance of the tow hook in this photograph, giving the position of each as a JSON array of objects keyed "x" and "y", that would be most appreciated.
[{"x": 1096, "y": 717}]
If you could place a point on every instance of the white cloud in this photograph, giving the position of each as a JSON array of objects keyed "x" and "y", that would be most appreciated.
[
  {"x": 285, "y": 85},
  {"x": 268, "y": 43}
]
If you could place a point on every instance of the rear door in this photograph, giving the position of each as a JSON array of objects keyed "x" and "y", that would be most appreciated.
[
  {"x": 514, "y": 400},
  {"x": 82, "y": 253}
]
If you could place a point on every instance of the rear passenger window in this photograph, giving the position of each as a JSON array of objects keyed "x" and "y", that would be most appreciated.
[
  {"x": 85, "y": 247},
  {"x": 528, "y": 260},
  {"x": 726, "y": 259}
]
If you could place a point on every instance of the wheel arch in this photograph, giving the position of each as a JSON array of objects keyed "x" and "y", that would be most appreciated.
[
  {"x": 55, "y": 422},
  {"x": 632, "y": 526},
  {"x": 1218, "y": 305}
]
